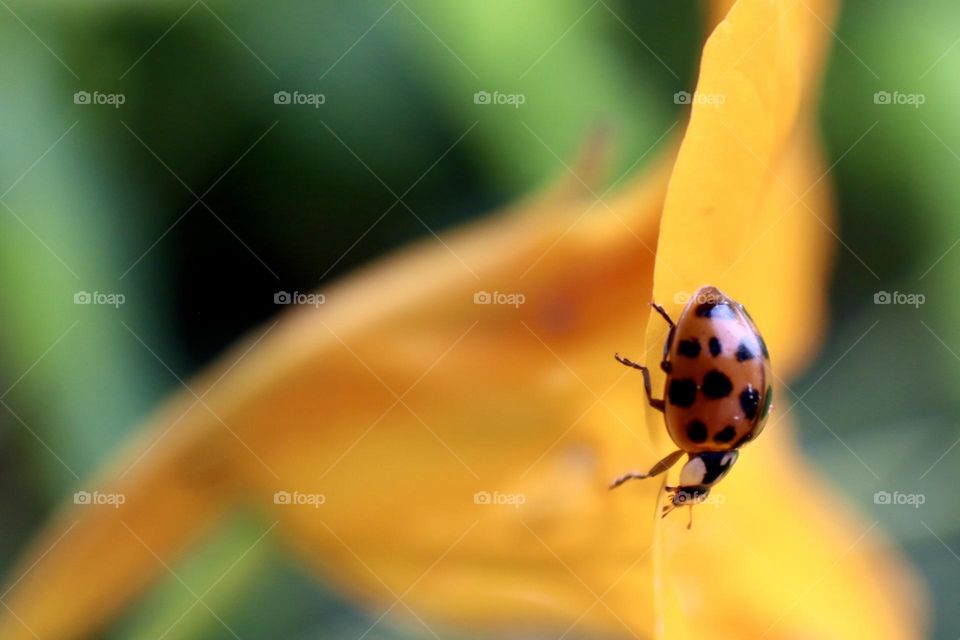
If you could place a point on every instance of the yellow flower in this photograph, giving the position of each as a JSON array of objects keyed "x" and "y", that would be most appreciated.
[{"x": 461, "y": 450}]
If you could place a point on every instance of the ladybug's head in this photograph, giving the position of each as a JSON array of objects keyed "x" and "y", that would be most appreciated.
[
  {"x": 689, "y": 496},
  {"x": 699, "y": 474}
]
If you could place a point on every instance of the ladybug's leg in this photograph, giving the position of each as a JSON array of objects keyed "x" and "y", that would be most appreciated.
[
  {"x": 647, "y": 386},
  {"x": 656, "y": 469},
  {"x": 667, "y": 508},
  {"x": 665, "y": 364},
  {"x": 663, "y": 313}
]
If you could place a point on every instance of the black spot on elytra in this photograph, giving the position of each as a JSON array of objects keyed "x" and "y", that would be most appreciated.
[
  {"x": 689, "y": 348},
  {"x": 725, "y": 435},
  {"x": 682, "y": 392},
  {"x": 715, "y": 310},
  {"x": 666, "y": 366},
  {"x": 716, "y": 385},
  {"x": 745, "y": 353},
  {"x": 697, "y": 431},
  {"x": 750, "y": 402},
  {"x": 715, "y": 348}
]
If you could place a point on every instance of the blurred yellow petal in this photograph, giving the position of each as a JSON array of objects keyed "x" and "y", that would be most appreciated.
[
  {"x": 399, "y": 400},
  {"x": 463, "y": 447}
]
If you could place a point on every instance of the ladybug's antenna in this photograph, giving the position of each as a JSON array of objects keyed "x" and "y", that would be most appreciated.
[{"x": 667, "y": 508}]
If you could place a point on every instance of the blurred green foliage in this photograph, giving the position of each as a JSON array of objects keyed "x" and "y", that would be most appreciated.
[{"x": 102, "y": 199}]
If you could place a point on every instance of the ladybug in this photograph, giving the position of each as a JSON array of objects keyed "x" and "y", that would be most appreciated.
[{"x": 717, "y": 394}]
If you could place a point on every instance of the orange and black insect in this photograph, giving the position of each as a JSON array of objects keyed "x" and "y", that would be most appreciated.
[{"x": 717, "y": 394}]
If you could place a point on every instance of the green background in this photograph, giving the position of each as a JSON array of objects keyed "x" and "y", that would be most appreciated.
[{"x": 87, "y": 191}]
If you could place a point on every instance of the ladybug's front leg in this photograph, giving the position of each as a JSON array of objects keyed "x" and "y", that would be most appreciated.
[
  {"x": 655, "y": 470},
  {"x": 647, "y": 386}
]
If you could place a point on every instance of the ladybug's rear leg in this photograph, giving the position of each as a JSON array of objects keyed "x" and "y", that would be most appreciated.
[
  {"x": 665, "y": 363},
  {"x": 647, "y": 386},
  {"x": 656, "y": 469}
]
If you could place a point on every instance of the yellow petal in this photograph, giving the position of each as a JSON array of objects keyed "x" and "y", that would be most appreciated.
[
  {"x": 795, "y": 560},
  {"x": 825, "y": 570},
  {"x": 748, "y": 210},
  {"x": 751, "y": 83}
]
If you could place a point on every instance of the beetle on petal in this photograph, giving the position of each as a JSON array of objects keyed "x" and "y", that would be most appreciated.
[{"x": 717, "y": 394}]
